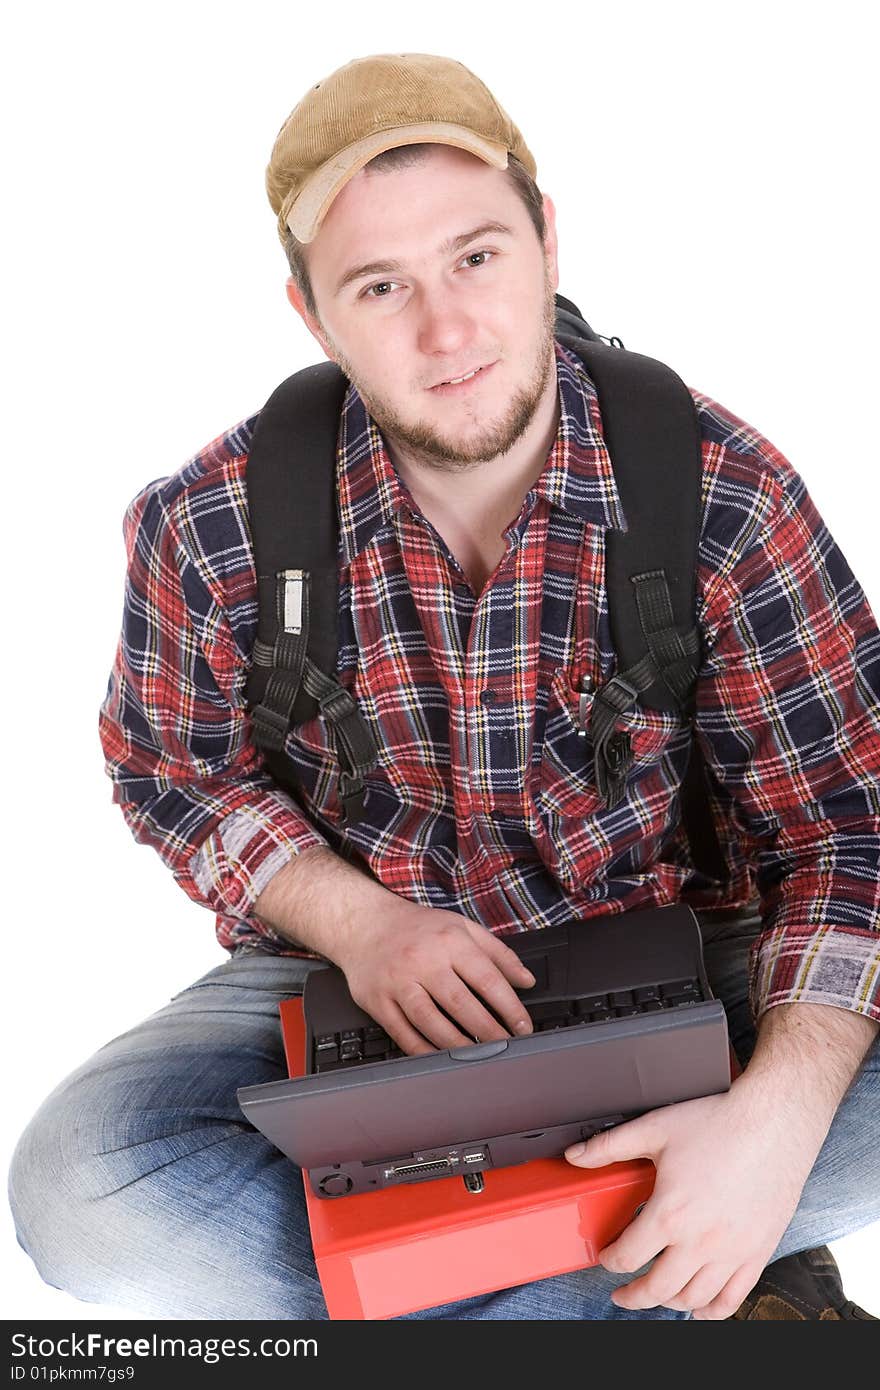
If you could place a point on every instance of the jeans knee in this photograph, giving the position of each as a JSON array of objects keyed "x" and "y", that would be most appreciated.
[
  {"x": 169, "y": 1214},
  {"x": 41, "y": 1202}
]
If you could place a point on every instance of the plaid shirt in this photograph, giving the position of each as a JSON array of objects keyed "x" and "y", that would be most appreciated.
[{"x": 484, "y": 800}]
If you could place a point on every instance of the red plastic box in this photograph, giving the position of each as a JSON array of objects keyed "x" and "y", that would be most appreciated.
[{"x": 382, "y": 1254}]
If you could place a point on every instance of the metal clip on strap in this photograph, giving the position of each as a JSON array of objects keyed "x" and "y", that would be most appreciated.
[{"x": 284, "y": 659}]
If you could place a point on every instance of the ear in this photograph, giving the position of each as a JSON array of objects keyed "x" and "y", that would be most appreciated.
[
  {"x": 294, "y": 295},
  {"x": 551, "y": 250}
]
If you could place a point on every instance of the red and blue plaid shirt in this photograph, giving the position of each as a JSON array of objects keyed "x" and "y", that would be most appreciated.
[{"x": 484, "y": 800}]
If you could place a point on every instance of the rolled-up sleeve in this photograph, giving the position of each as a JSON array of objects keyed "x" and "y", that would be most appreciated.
[
  {"x": 788, "y": 718},
  {"x": 176, "y": 735}
]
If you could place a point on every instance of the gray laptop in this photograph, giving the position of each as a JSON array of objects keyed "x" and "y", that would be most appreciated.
[{"x": 624, "y": 1021}]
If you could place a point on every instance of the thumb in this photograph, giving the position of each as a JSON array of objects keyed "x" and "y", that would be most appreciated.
[{"x": 631, "y": 1140}]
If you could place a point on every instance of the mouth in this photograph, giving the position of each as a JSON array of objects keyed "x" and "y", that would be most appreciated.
[{"x": 460, "y": 385}]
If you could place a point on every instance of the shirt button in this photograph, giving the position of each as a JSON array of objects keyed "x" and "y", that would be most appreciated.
[{"x": 488, "y": 697}]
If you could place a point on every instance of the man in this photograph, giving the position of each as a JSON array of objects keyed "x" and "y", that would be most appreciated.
[{"x": 475, "y": 491}]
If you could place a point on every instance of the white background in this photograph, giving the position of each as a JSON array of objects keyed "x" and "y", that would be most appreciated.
[{"x": 712, "y": 167}]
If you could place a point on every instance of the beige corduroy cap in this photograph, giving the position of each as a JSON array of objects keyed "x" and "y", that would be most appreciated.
[{"x": 374, "y": 104}]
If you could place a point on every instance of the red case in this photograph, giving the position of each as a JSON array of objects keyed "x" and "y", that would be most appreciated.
[{"x": 382, "y": 1254}]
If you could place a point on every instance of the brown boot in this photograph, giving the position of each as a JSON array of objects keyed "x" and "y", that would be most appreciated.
[{"x": 799, "y": 1288}]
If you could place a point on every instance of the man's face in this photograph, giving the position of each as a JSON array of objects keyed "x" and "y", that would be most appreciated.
[{"x": 399, "y": 331}]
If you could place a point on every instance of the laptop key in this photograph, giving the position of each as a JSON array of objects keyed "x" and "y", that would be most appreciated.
[
  {"x": 682, "y": 992},
  {"x": 326, "y": 1048},
  {"x": 323, "y": 1064},
  {"x": 691, "y": 987},
  {"x": 539, "y": 1013},
  {"x": 588, "y": 1004},
  {"x": 648, "y": 994},
  {"x": 351, "y": 1047},
  {"x": 621, "y": 999}
]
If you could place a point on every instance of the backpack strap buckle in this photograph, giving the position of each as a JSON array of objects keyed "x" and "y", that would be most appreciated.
[
  {"x": 270, "y": 727},
  {"x": 612, "y": 747},
  {"x": 356, "y": 750},
  {"x": 352, "y": 797}
]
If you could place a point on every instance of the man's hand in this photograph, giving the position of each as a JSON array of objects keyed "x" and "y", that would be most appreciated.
[
  {"x": 731, "y": 1168},
  {"x": 730, "y": 1172},
  {"x": 400, "y": 967},
  {"x": 403, "y": 962}
]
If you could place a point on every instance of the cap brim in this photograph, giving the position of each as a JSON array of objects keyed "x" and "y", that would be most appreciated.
[{"x": 304, "y": 213}]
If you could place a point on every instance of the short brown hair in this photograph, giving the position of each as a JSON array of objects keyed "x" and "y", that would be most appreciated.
[{"x": 399, "y": 158}]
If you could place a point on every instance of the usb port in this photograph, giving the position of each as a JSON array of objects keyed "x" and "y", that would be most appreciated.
[{"x": 474, "y": 1158}]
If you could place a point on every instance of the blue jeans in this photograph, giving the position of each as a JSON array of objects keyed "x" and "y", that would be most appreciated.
[{"x": 138, "y": 1182}]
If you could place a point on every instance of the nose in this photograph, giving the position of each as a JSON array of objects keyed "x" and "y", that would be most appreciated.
[{"x": 445, "y": 327}]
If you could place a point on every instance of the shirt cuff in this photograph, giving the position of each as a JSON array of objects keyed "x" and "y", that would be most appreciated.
[
  {"x": 246, "y": 850},
  {"x": 839, "y": 966}
]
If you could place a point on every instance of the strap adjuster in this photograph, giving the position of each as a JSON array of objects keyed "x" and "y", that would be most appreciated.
[
  {"x": 270, "y": 727},
  {"x": 337, "y": 704},
  {"x": 618, "y": 753},
  {"x": 352, "y": 797},
  {"x": 618, "y": 695}
]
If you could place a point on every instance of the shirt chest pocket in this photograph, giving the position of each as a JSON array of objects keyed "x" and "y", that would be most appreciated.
[{"x": 649, "y": 745}]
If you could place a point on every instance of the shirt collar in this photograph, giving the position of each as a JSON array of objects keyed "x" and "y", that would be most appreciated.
[{"x": 577, "y": 476}]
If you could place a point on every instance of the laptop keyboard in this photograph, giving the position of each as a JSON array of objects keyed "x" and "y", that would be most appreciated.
[{"x": 372, "y": 1044}]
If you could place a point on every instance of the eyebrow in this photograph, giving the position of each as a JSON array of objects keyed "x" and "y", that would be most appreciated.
[{"x": 455, "y": 243}]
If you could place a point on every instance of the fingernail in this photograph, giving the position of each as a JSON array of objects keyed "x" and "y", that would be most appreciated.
[
  {"x": 576, "y": 1151},
  {"x": 529, "y": 975},
  {"x": 523, "y": 1026}
]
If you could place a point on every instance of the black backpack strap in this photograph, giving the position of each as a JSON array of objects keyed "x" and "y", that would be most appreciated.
[
  {"x": 653, "y": 436},
  {"x": 651, "y": 429},
  {"x": 292, "y": 504}
]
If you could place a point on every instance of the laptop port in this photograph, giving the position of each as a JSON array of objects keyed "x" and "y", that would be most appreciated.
[
  {"x": 433, "y": 1166},
  {"x": 474, "y": 1157}
]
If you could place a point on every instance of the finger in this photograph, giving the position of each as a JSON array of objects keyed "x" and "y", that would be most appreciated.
[
  {"x": 706, "y": 1284},
  {"x": 482, "y": 976},
  {"x": 675, "y": 1283},
  {"x": 643, "y": 1240},
  {"x": 659, "y": 1286},
  {"x": 508, "y": 962},
  {"x": 725, "y": 1303},
  {"x": 418, "y": 1005},
  {"x": 640, "y": 1138},
  {"x": 467, "y": 1010},
  {"x": 389, "y": 1015}
]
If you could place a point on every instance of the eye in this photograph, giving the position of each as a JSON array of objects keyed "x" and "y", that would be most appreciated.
[
  {"x": 384, "y": 284},
  {"x": 472, "y": 255},
  {"x": 368, "y": 292}
]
